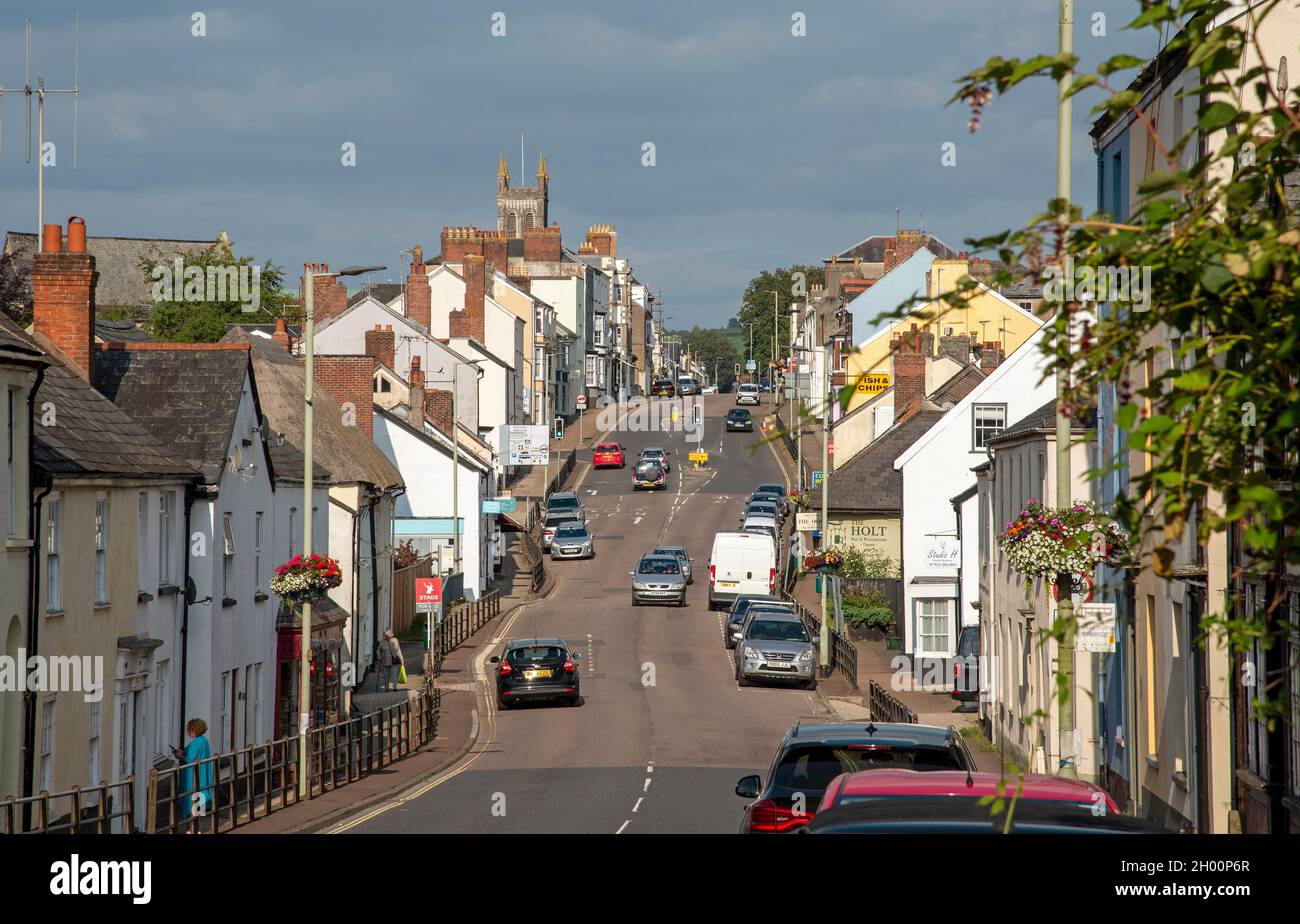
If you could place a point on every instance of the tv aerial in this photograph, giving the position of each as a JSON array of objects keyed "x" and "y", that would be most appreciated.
[{"x": 38, "y": 90}]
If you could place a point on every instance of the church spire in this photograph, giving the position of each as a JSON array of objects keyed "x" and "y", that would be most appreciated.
[
  {"x": 503, "y": 172},
  {"x": 542, "y": 172}
]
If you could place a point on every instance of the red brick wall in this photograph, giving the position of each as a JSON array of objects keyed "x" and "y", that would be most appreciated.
[
  {"x": 419, "y": 297},
  {"x": 329, "y": 296},
  {"x": 437, "y": 409},
  {"x": 458, "y": 242},
  {"x": 990, "y": 356},
  {"x": 350, "y": 379},
  {"x": 469, "y": 321},
  {"x": 63, "y": 296},
  {"x": 381, "y": 343},
  {"x": 542, "y": 245}
]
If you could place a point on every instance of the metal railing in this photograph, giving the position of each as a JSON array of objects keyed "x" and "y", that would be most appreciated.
[
  {"x": 843, "y": 654},
  {"x": 885, "y": 708},
  {"x": 562, "y": 475},
  {"x": 536, "y": 560},
  {"x": 98, "y": 809},
  {"x": 461, "y": 623}
]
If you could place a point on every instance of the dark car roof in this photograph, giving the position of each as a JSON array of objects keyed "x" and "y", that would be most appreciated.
[
  {"x": 771, "y": 486},
  {"x": 738, "y": 412},
  {"x": 561, "y": 495},
  {"x": 931, "y": 814},
  {"x": 899, "y": 733}
]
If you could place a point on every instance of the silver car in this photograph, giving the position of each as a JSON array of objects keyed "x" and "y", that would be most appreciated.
[
  {"x": 658, "y": 579},
  {"x": 682, "y": 555},
  {"x": 775, "y": 646},
  {"x": 573, "y": 540}
]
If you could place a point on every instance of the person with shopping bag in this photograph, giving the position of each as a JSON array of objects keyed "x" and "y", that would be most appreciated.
[{"x": 391, "y": 661}]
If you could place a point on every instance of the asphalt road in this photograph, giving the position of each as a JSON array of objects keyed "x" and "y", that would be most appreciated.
[{"x": 664, "y": 732}]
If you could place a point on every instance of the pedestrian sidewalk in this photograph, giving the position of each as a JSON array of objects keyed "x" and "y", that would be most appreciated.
[{"x": 457, "y": 727}]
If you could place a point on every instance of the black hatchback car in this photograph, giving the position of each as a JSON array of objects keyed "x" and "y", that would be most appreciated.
[
  {"x": 738, "y": 419},
  {"x": 810, "y": 756},
  {"x": 537, "y": 668}
]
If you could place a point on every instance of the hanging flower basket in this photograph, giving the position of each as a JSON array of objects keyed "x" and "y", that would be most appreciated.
[
  {"x": 1047, "y": 541},
  {"x": 827, "y": 562},
  {"x": 306, "y": 580}
]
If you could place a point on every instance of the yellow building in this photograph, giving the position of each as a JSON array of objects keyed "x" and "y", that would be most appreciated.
[{"x": 987, "y": 318}]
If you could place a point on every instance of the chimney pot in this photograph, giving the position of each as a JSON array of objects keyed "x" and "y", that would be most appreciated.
[
  {"x": 52, "y": 239},
  {"x": 76, "y": 234}
]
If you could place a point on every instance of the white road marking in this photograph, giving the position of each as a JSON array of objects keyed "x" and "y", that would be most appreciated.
[
  {"x": 636, "y": 807},
  {"x": 625, "y": 824},
  {"x": 646, "y": 787},
  {"x": 650, "y": 767}
]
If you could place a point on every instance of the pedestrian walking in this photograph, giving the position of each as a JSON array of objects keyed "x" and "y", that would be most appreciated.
[
  {"x": 197, "y": 801},
  {"x": 391, "y": 659}
]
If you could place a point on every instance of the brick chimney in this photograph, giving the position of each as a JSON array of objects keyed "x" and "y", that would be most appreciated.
[
  {"x": 542, "y": 245},
  {"x": 381, "y": 343},
  {"x": 415, "y": 401},
  {"x": 956, "y": 347},
  {"x": 604, "y": 239},
  {"x": 281, "y": 335},
  {"x": 909, "y": 374},
  {"x": 419, "y": 297},
  {"x": 437, "y": 409},
  {"x": 63, "y": 295},
  {"x": 329, "y": 296},
  {"x": 458, "y": 242},
  {"x": 469, "y": 320},
  {"x": 523, "y": 282},
  {"x": 349, "y": 380},
  {"x": 991, "y": 356}
]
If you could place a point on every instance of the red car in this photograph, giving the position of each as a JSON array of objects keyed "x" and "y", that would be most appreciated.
[
  {"x": 609, "y": 455},
  {"x": 884, "y": 783}
]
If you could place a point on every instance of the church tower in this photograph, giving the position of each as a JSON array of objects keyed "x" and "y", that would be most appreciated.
[{"x": 523, "y": 207}]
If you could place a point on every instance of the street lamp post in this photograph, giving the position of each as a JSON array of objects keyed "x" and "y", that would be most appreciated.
[
  {"x": 824, "y": 655},
  {"x": 304, "y": 654}
]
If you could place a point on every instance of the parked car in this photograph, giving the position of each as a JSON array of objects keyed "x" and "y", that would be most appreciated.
[
  {"x": 966, "y": 666},
  {"x": 741, "y": 563},
  {"x": 765, "y": 525},
  {"x": 565, "y": 502},
  {"x": 895, "y": 777},
  {"x": 810, "y": 757},
  {"x": 538, "y": 668},
  {"x": 736, "y": 621},
  {"x": 662, "y": 388},
  {"x": 649, "y": 475},
  {"x": 658, "y": 579},
  {"x": 609, "y": 455},
  {"x": 573, "y": 540},
  {"x": 747, "y": 394},
  {"x": 709, "y": 390},
  {"x": 765, "y": 384},
  {"x": 965, "y": 815},
  {"x": 656, "y": 454},
  {"x": 766, "y": 492},
  {"x": 682, "y": 555},
  {"x": 761, "y": 508},
  {"x": 738, "y": 419},
  {"x": 687, "y": 386},
  {"x": 553, "y": 522},
  {"x": 774, "y": 646}
]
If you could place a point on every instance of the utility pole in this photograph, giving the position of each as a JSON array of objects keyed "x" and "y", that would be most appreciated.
[
  {"x": 455, "y": 464},
  {"x": 1065, "y": 605},
  {"x": 824, "y": 656}
]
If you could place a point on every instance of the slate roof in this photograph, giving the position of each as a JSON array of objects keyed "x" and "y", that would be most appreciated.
[
  {"x": 868, "y": 482},
  {"x": 348, "y": 454},
  {"x": 958, "y": 387},
  {"x": 17, "y": 347},
  {"x": 872, "y": 249},
  {"x": 121, "y": 280},
  {"x": 87, "y": 434},
  {"x": 187, "y": 395},
  {"x": 121, "y": 332},
  {"x": 384, "y": 292},
  {"x": 1043, "y": 418}
]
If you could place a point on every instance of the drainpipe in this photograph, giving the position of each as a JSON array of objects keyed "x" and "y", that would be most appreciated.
[
  {"x": 185, "y": 614},
  {"x": 28, "y": 757}
]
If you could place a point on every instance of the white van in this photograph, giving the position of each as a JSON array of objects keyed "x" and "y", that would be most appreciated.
[{"x": 741, "y": 563}]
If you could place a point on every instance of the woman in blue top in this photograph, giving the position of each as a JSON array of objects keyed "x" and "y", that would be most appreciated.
[{"x": 200, "y": 800}]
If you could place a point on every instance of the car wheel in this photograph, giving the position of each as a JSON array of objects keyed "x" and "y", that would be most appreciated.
[
  {"x": 635, "y": 602},
  {"x": 740, "y": 678},
  {"x": 811, "y": 684},
  {"x": 682, "y": 601},
  {"x": 503, "y": 703}
]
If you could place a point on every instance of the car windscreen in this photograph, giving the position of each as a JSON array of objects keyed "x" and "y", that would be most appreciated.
[
  {"x": 554, "y": 520},
  {"x": 563, "y": 503},
  {"x": 659, "y": 566},
  {"x": 738, "y": 413},
  {"x": 571, "y": 530},
  {"x": 776, "y": 630},
  {"x": 608, "y": 447},
  {"x": 535, "y": 653},
  {"x": 761, "y": 507},
  {"x": 769, "y": 488},
  {"x": 969, "y": 643},
  {"x": 676, "y": 553},
  {"x": 810, "y": 769}
]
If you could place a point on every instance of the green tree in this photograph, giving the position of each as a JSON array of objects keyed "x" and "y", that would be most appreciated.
[
  {"x": 175, "y": 318},
  {"x": 783, "y": 286},
  {"x": 712, "y": 347}
]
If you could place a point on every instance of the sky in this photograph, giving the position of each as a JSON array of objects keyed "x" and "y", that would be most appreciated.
[{"x": 769, "y": 148}]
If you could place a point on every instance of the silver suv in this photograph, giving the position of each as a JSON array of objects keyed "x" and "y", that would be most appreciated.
[{"x": 775, "y": 646}]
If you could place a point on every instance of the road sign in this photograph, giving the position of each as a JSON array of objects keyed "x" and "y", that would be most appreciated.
[
  {"x": 581, "y": 402},
  {"x": 750, "y": 365},
  {"x": 1096, "y": 631},
  {"x": 428, "y": 591},
  {"x": 817, "y": 478},
  {"x": 806, "y": 522},
  {"x": 871, "y": 383},
  {"x": 508, "y": 504},
  {"x": 698, "y": 457},
  {"x": 491, "y": 506}
]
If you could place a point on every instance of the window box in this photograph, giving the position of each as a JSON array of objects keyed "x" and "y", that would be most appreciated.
[
  {"x": 259, "y": 597},
  {"x": 228, "y": 602},
  {"x": 143, "y": 597},
  {"x": 168, "y": 590}
]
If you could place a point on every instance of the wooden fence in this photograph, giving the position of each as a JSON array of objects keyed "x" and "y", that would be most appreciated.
[{"x": 404, "y": 593}]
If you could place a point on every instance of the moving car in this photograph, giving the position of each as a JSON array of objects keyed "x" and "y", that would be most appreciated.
[
  {"x": 662, "y": 388},
  {"x": 553, "y": 522},
  {"x": 747, "y": 394},
  {"x": 687, "y": 386},
  {"x": 775, "y": 646},
  {"x": 899, "y": 778},
  {"x": 965, "y": 815},
  {"x": 565, "y": 502},
  {"x": 656, "y": 454},
  {"x": 966, "y": 666},
  {"x": 649, "y": 475},
  {"x": 573, "y": 540},
  {"x": 537, "y": 668},
  {"x": 738, "y": 419},
  {"x": 658, "y": 579},
  {"x": 682, "y": 555},
  {"x": 609, "y": 455},
  {"x": 810, "y": 757},
  {"x": 741, "y": 563},
  {"x": 740, "y": 607},
  {"x": 736, "y": 622}
]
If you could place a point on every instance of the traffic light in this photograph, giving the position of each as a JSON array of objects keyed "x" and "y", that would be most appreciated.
[
  {"x": 558, "y": 431},
  {"x": 737, "y": 370}
]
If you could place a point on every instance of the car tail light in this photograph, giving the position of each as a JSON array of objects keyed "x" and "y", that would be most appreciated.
[
  {"x": 765, "y": 815},
  {"x": 956, "y": 670},
  {"x": 711, "y": 572},
  {"x": 505, "y": 667},
  {"x": 569, "y": 665},
  {"x": 771, "y": 580}
]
